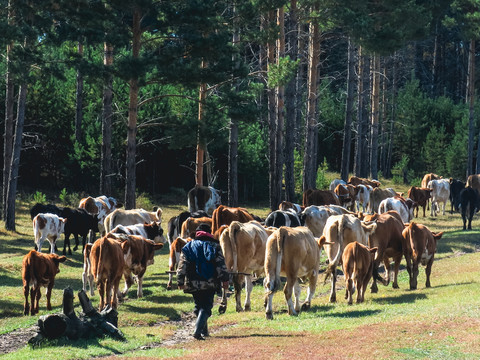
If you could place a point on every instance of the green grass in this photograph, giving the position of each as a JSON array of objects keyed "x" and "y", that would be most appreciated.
[{"x": 440, "y": 322}]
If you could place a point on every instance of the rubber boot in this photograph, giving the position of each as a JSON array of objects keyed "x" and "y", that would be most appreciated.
[
  {"x": 205, "y": 332},
  {"x": 200, "y": 324}
]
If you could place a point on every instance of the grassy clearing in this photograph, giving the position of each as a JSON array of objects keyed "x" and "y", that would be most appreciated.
[{"x": 441, "y": 322}]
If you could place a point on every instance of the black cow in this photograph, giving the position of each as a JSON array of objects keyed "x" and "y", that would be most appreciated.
[
  {"x": 279, "y": 218},
  {"x": 456, "y": 186},
  {"x": 469, "y": 205},
  {"x": 79, "y": 222},
  {"x": 41, "y": 208},
  {"x": 174, "y": 226}
]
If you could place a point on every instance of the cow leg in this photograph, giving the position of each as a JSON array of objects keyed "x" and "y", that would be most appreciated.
[
  {"x": 388, "y": 270},
  {"x": 49, "y": 295},
  {"x": 472, "y": 212},
  {"x": 268, "y": 305},
  {"x": 296, "y": 292},
  {"x": 37, "y": 295},
  {"x": 248, "y": 292},
  {"x": 53, "y": 244},
  {"x": 128, "y": 283},
  {"x": 428, "y": 271},
  {"x": 288, "y": 291},
  {"x": 87, "y": 277},
  {"x": 237, "y": 284},
  {"x": 333, "y": 295},
  {"x": 414, "y": 276},
  {"x": 349, "y": 289},
  {"x": 26, "y": 292},
  {"x": 75, "y": 248},
  {"x": 396, "y": 268},
  {"x": 312, "y": 285},
  {"x": 140, "y": 286},
  {"x": 101, "y": 292}
]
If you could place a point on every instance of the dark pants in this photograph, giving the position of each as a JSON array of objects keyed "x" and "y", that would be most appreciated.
[{"x": 203, "y": 301}]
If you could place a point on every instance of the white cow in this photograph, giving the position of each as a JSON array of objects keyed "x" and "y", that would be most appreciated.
[
  {"x": 47, "y": 226},
  {"x": 403, "y": 206},
  {"x": 440, "y": 194},
  {"x": 336, "y": 182},
  {"x": 363, "y": 197},
  {"x": 315, "y": 217}
]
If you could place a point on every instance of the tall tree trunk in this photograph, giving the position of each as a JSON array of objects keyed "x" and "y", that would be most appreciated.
[
  {"x": 15, "y": 162},
  {"x": 79, "y": 100},
  {"x": 291, "y": 127},
  {"x": 347, "y": 128},
  {"x": 375, "y": 115},
  {"x": 300, "y": 88},
  {"x": 202, "y": 94},
  {"x": 309, "y": 165},
  {"x": 365, "y": 167},
  {"x": 279, "y": 148},
  {"x": 470, "y": 98},
  {"x": 130, "y": 178},
  {"x": 357, "y": 165},
  {"x": 106, "y": 165},
  {"x": 233, "y": 129},
  {"x": 8, "y": 135},
  {"x": 271, "y": 118},
  {"x": 383, "y": 127},
  {"x": 388, "y": 167}
]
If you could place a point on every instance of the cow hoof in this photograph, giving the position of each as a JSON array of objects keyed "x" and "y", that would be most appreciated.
[
  {"x": 269, "y": 316},
  {"x": 222, "y": 309},
  {"x": 374, "y": 290},
  {"x": 395, "y": 286},
  {"x": 239, "y": 309},
  {"x": 169, "y": 287},
  {"x": 248, "y": 308},
  {"x": 75, "y": 248},
  {"x": 305, "y": 306}
]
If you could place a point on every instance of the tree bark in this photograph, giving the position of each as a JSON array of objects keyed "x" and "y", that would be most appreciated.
[
  {"x": 271, "y": 119},
  {"x": 388, "y": 166},
  {"x": 359, "y": 139},
  {"x": 8, "y": 135},
  {"x": 347, "y": 129},
  {"x": 15, "y": 162},
  {"x": 309, "y": 165},
  {"x": 375, "y": 116},
  {"x": 470, "y": 98},
  {"x": 79, "y": 100},
  {"x": 200, "y": 142},
  {"x": 106, "y": 156},
  {"x": 130, "y": 178},
  {"x": 280, "y": 112},
  {"x": 290, "y": 103}
]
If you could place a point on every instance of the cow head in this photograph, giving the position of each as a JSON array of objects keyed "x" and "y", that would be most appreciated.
[
  {"x": 149, "y": 250},
  {"x": 155, "y": 232},
  {"x": 56, "y": 261}
]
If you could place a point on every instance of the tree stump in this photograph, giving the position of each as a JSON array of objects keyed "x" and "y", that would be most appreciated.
[{"x": 89, "y": 323}]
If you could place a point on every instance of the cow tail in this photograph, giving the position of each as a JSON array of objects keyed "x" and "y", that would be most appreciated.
[
  {"x": 331, "y": 268},
  {"x": 282, "y": 234},
  {"x": 99, "y": 264},
  {"x": 234, "y": 230}
]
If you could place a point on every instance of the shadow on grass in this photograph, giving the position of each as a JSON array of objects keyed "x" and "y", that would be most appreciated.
[
  {"x": 79, "y": 344},
  {"x": 269, "y": 335},
  {"x": 459, "y": 241},
  {"x": 10, "y": 309},
  {"x": 401, "y": 299},
  {"x": 353, "y": 314}
]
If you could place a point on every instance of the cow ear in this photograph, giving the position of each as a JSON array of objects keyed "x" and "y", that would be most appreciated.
[
  {"x": 158, "y": 246},
  {"x": 373, "y": 250},
  {"x": 64, "y": 220},
  {"x": 125, "y": 246},
  {"x": 60, "y": 259}
]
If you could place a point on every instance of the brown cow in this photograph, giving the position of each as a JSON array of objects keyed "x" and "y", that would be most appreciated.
[
  {"x": 138, "y": 253},
  {"x": 347, "y": 195},
  {"x": 224, "y": 215},
  {"x": 319, "y": 197},
  {"x": 339, "y": 231},
  {"x": 420, "y": 196},
  {"x": 354, "y": 180},
  {"x": 390, "y": 243},
  {"x": 243, "y": 246},
  {"x": 421, "y": 245},
  {"x": 106, "y": 265},
  {"x": 191, "y": 224},
  {"x": 100, "y": 206},
  {"x": 39, "y": 270},
  {"x": 357, "y": 263},
  {"x": 174, "y": 258},
  {"x": 295, "y": 253}
]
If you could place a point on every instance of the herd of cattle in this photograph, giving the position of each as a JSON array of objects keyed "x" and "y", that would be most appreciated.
[{"x": 287, "y": 243}]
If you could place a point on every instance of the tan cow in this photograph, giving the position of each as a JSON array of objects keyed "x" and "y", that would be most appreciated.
[
  {"x": 420, "y": 196},
  {"x": 429, "y": 177},
  {"x": 357, "y": 262},
  {"x": 319, "y": 197},
  {"x": 378, "y": 195},
  {"x": 421, "y": 245},
  {"x": 39, "y": 270},
  {"x": 106, "y": 265},
  {"x": 347, "y": 195},
  {"x": 390, "y": 243},
  {"x": 295, "y": 253},
  {"x": 243, "y": 246},
  {"x": 131, "y": 217},
  {"x": 339, "y": 231},
  {"x": 224, "y": 215},
  {"x": 355, "y": 180},
  {"x": 191, "y": 224}
]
